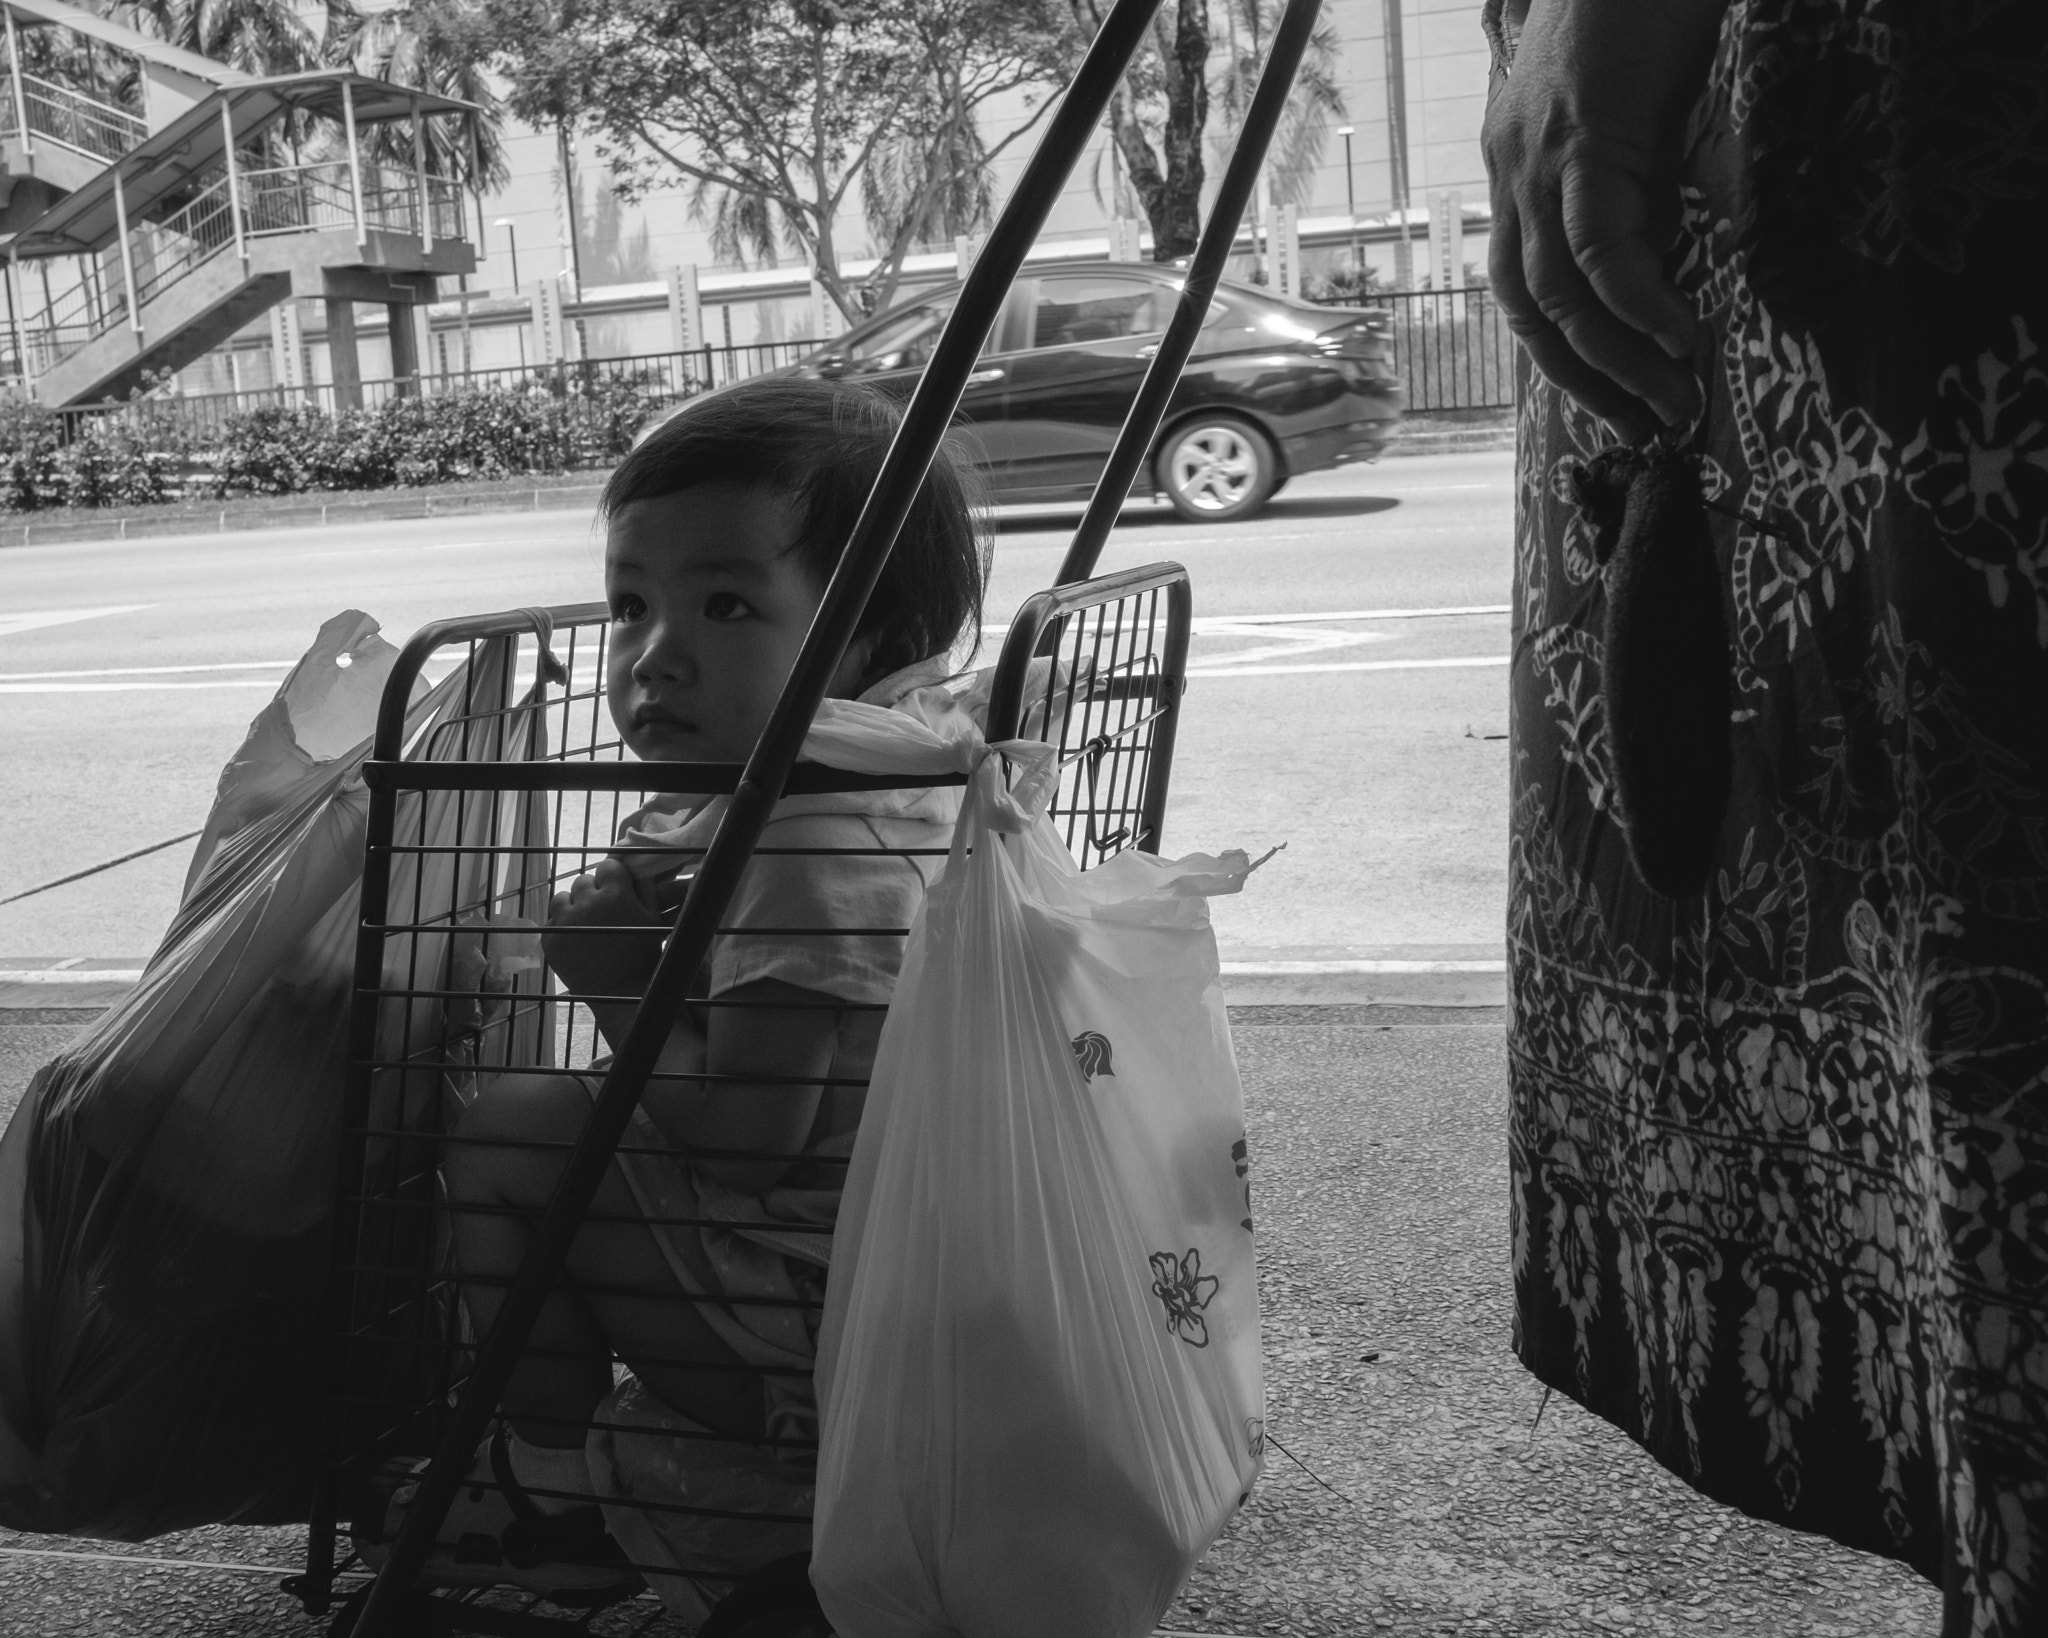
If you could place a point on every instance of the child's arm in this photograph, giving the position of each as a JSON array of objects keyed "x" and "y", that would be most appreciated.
[
  {"x": 779, "y": 1046},
  {"x": 604, "y": 963}
]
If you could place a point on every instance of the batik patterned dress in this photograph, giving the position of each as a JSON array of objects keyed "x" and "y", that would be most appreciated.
[{"x": 1780, "y": 1151}]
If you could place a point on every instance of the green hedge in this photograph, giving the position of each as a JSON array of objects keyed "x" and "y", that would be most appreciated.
[{"x": 150, "y": 451}]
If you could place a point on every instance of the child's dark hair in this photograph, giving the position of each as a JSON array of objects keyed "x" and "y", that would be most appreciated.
[{"x": 821, "y": 443}]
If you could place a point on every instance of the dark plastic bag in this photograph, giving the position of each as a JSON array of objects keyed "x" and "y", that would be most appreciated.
[{"x": 167, "y": 1183}]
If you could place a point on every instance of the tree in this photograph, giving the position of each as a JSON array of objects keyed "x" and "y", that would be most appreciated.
[
  {"x": 415, "y": 43},
  {"x": 776, "y": 115},
  {"x": 1316, "y": 100},
  {"x": 256, "y": 36},
  {"x": 426, "y": 44},
  {"x": 1157, "y": 118}
]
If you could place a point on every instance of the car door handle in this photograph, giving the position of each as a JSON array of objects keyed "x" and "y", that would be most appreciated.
[
  {"x": 981, "y": 378},
  {"x": 1148, "y": 350}
]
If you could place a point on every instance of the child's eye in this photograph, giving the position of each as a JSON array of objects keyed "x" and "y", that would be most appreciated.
[
  {"x": 725, "y": 606},
  {"x": 626, "y": 607}
]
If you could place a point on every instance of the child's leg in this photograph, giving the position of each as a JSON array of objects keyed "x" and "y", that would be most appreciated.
[{"x": 621, "y": 1295}]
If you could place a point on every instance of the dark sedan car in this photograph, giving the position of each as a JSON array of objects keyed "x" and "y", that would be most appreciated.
[{"x": 1274, "y": 388}]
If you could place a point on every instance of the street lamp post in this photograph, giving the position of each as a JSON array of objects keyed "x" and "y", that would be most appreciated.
[
  {"x": 1350, "y": 194},
  {"x": 512, "y": 243}
]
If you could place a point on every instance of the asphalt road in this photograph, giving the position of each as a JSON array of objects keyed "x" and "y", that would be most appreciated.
[{"x": 1369, "y": 737}]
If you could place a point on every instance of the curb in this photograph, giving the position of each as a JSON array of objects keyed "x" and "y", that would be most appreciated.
[
  {"x": 1438, "y": 981},
  {"x": 387, "y": 507},
  {"x": 1488, "y": 441}
]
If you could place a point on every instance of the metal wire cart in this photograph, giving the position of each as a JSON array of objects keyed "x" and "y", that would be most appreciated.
[
  {"x": 462, "y": 857},
  {"x": 451, "y": 989}
]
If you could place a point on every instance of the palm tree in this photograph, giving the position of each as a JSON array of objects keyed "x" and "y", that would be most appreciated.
[
  {"x": 424, "y": 44},
  {"x": 418, "y": 43},
  {"x": 256, "y": 36},
  {"x": 1316, "y": 103}
]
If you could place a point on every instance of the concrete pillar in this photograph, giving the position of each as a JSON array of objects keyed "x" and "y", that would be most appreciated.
[
  {"x": 405, "y": 349},
  {"x": 343, "y": 363},
  {"x": 549, "y": 343},
  {"x": 287, "y": 346},
  {"x": 825, "y": 318},
  {"x": 685, "y": 310},
  {"x": 1287, "y": 251}
]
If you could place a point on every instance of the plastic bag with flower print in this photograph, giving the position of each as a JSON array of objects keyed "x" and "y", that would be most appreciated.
[{"x": 1039, "y": 1373}]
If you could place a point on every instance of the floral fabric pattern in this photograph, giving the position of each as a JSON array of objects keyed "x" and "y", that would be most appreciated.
[{"x": 1780, "y": 1152}]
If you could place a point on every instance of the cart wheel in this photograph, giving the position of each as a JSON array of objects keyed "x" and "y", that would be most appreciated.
[
  {"x": 776, "y": 1601},
  {"x": 1216, "y": 469}
]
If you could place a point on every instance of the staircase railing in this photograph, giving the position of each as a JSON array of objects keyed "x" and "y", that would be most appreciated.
[
  {"x": 60, "y": 114},
  {"x": 64, "y": 326},
  {"x": 275, "y": 200},
  {"x": 169, "y": 249}
]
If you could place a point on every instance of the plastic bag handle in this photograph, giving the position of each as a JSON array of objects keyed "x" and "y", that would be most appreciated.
[
  {"x": 551, "y": 666},
  {"x": 1006, "y": 792}
]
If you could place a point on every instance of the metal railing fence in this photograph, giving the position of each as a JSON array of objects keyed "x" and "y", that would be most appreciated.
[
  {"x": 72, "y": 118},
  {"x": 1453, "y": 347},
  {"x": 663, "y": 378}
]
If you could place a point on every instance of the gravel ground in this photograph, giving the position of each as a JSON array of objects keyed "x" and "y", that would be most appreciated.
[{"x": 1434, "y": 1502}]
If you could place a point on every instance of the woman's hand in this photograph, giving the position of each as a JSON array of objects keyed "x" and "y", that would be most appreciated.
[
  {"x": 1583, "y": 142},
  {"x": 610, "y": 963}
]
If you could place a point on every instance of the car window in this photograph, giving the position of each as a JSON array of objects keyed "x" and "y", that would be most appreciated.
[
  {"x": 1076, "y": 308},
  {"x": 902, "y": 341}
]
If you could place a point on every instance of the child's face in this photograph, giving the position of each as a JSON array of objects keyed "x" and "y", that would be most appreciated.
[{"x": 709, "y": 608}]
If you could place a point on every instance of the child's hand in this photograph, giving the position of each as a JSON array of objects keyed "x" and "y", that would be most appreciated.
[{"x": 612, "y": 963}]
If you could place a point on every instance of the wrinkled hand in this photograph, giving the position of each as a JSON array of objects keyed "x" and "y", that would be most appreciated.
[
  {"x": 1583, "y": 143},
  {"x": 603, "y": 963}
]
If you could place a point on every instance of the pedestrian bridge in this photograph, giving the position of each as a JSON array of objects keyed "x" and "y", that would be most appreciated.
[{"x": 153, "y": 202}]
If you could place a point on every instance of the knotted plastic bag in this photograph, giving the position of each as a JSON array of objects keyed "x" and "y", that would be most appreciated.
[
  {"x": 167, "y": 1183},
  {"x": 1039, "y": 1372}
]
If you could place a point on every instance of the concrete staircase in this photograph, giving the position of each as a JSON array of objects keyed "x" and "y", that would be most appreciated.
[{"x": 218, "y": 296}]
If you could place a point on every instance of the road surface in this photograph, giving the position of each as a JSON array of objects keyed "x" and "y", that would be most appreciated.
[{"x": 1347, "y": 694}]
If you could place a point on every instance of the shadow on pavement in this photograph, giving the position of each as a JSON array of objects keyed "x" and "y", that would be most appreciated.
[{"x": 1037, "y": 519}]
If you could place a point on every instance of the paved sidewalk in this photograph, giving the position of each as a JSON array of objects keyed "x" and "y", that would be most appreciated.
[{"x": 1437, "y": 1504}]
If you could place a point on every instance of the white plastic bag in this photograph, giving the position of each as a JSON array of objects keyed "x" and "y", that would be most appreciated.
[{"x": 1039, "y": 1372}]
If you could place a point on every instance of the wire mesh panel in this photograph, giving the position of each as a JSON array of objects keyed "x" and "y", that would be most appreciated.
[
  {"x": 687, "y": 1318},
  {"x": 1108, "y": 658}
]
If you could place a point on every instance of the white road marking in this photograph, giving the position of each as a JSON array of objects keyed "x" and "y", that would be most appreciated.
[
  {"x": 1351, "y": 614},
  {"x": 1299, "y": 640},
  {"x": 1309, "y": 969},
  {"x": 132, "y": 687},
  {"x": 13, "y": 624},
  {"x": 1223, "y": 668},
  {"x": 144, "y": 670},
  {"x": 71, "y": 975},
  {"x": 1209, "y": 622}
]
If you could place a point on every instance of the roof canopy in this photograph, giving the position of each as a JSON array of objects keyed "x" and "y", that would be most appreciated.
[
  {"x": 53, "y": 13},
  {"x": 166, "y": 162}
]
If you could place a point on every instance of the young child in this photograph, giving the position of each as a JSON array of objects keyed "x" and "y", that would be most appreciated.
[{"x": 723, "y": 528}]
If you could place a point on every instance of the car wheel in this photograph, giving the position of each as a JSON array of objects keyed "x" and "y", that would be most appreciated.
[{"x": 1216, "y": 469}]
